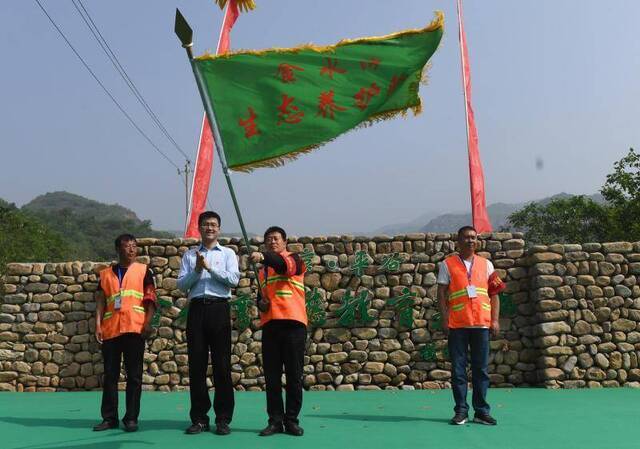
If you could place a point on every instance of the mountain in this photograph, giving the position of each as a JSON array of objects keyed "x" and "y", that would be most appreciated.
[
  {"x": 414, "y": 225},
  {"x": 498, "y": 212},
  {"x": 452, "y": 221},
  {"x": 55, "y": 202},
  {"x": 88, "y": 227}
]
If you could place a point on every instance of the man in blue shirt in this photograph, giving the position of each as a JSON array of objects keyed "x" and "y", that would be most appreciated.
[{"x": 207, "y": 274}]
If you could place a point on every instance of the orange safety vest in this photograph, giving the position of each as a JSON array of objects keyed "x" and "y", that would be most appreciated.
[
  {"x": 130, "y": 316},
  {"x": 286, "y": 293},
  {"x": 465, "y": 311}
]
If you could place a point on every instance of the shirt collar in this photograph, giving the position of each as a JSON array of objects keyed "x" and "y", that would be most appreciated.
[{"x": 217, "y": 246}]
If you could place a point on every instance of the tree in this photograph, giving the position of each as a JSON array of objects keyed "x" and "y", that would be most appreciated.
[
  {"x": 579, "y": 219},
  {"x": 569, "y": 220},
  {"x": 622, "y": 192},
  {"x": 25, "y": 239}
]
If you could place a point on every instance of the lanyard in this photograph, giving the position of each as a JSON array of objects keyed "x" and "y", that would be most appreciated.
[
  {"x": 470, "y": 270},
  {"x": 120, "y": 276}
]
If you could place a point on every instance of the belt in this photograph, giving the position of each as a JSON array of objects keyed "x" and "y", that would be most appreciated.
[{"x": 207, "y": 299}]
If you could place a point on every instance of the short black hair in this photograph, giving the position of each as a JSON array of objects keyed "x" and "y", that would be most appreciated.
[
  {"x": 278, "y": 229},
  {"x": 124, "y": 238},
  {"x": 204, "y": 216},
  {"x": 465, "y": 229}
]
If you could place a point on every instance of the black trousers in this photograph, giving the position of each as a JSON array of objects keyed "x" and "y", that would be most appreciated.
[
  {"x": 131, "y": 346},
  {"x": 209, "y": 332},
  {"x": 283, "y": 343}
]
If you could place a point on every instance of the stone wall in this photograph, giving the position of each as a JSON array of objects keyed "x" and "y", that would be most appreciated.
[
  {"x": 576, "y": 321},
  {"x": 587, "y": 301}
]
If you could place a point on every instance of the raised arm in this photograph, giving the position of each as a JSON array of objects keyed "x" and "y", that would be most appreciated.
[{"x": 290, "y": 265}]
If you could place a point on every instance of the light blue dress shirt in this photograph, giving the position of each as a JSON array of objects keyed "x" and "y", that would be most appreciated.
[{"x": 222, "y": 275}]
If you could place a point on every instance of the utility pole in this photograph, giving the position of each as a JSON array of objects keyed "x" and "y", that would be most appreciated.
[{"x": 186, "y": 171}]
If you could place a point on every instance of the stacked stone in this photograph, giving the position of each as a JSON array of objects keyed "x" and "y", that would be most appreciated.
[
  {"x": 47, "y": 319},
  {"x": 46, "y": 327},
  {"x": 512, "y": 358},
  {"x": 385, "y": 355},
  {"x": 588, "y": 307}
]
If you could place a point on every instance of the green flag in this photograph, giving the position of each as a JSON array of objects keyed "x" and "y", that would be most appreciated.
[{"x": 273, "y": 105}]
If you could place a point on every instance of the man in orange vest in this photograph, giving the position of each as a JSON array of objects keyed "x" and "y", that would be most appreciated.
[
  {"x": 126, "y": 301},
  {"x": 284, "y": 330},
  {"x": 468, "y": 290}
]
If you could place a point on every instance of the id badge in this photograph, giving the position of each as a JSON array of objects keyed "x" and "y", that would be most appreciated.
[
  {"x": 117, "y": 304},
  {"x": 471, "y": 291}
]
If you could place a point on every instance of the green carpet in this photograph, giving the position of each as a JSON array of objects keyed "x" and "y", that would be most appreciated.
[{"x": 527, "y": 418}]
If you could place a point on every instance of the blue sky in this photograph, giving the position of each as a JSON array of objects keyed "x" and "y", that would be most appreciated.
[{"x": 555, "y": 81}]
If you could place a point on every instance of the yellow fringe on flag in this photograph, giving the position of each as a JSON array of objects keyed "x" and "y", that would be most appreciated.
[
  {"x": 243, "y": 5},
  {"x": 436, "y": 23}
]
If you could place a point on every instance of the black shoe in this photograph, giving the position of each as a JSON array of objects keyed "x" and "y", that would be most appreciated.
[
  {"x": 222, "y": 428},
  {"x": 271, "y": 429},
  {"x": 105, "y": 425},
  {"x": 130, "y": 426},
  {"x": 197, "y": 428},
  {"x": 459, "y": 419},
  {"x": 484, "y": 418},
  {"x": 293, "y": 429}
]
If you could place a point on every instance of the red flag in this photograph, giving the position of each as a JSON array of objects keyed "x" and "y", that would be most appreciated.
[
  {"x": 204, "y": 160},
  {"x": 476, "y": 177}
]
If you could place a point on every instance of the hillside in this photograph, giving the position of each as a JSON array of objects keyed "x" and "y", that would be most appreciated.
[
  {"x": 87, "y": 226},
  {"x": 25, "y": 239},
  {"x": 55, "y": 202}
]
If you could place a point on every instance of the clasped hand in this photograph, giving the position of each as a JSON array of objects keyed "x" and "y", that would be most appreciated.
[{"x": 201, "y": 262}]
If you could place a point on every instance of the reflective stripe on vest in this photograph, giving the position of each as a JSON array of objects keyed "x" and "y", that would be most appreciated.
[
  {"x": 463, "y": 292},
  {"x": 284, "y": 293},
  {"x": 272, "y": 279},
  {"x": 465, "y": 311},
  {"x": 131, "y": 315},
  {"x": 457, "y": 307},
  {"x": 134, "y": 293}
]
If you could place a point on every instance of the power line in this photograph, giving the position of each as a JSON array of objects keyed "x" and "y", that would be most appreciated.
[
  {"x": 133, "y": 123},
  {"x": 95, "y": 31}
]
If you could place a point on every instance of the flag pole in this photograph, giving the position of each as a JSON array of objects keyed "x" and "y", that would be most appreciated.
[
  {"x": 479, "y": 214},
  {"x": 185, "y": 34}
]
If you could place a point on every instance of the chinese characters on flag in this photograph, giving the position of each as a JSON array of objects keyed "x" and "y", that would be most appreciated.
[{"x": 290, "y": 112}]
